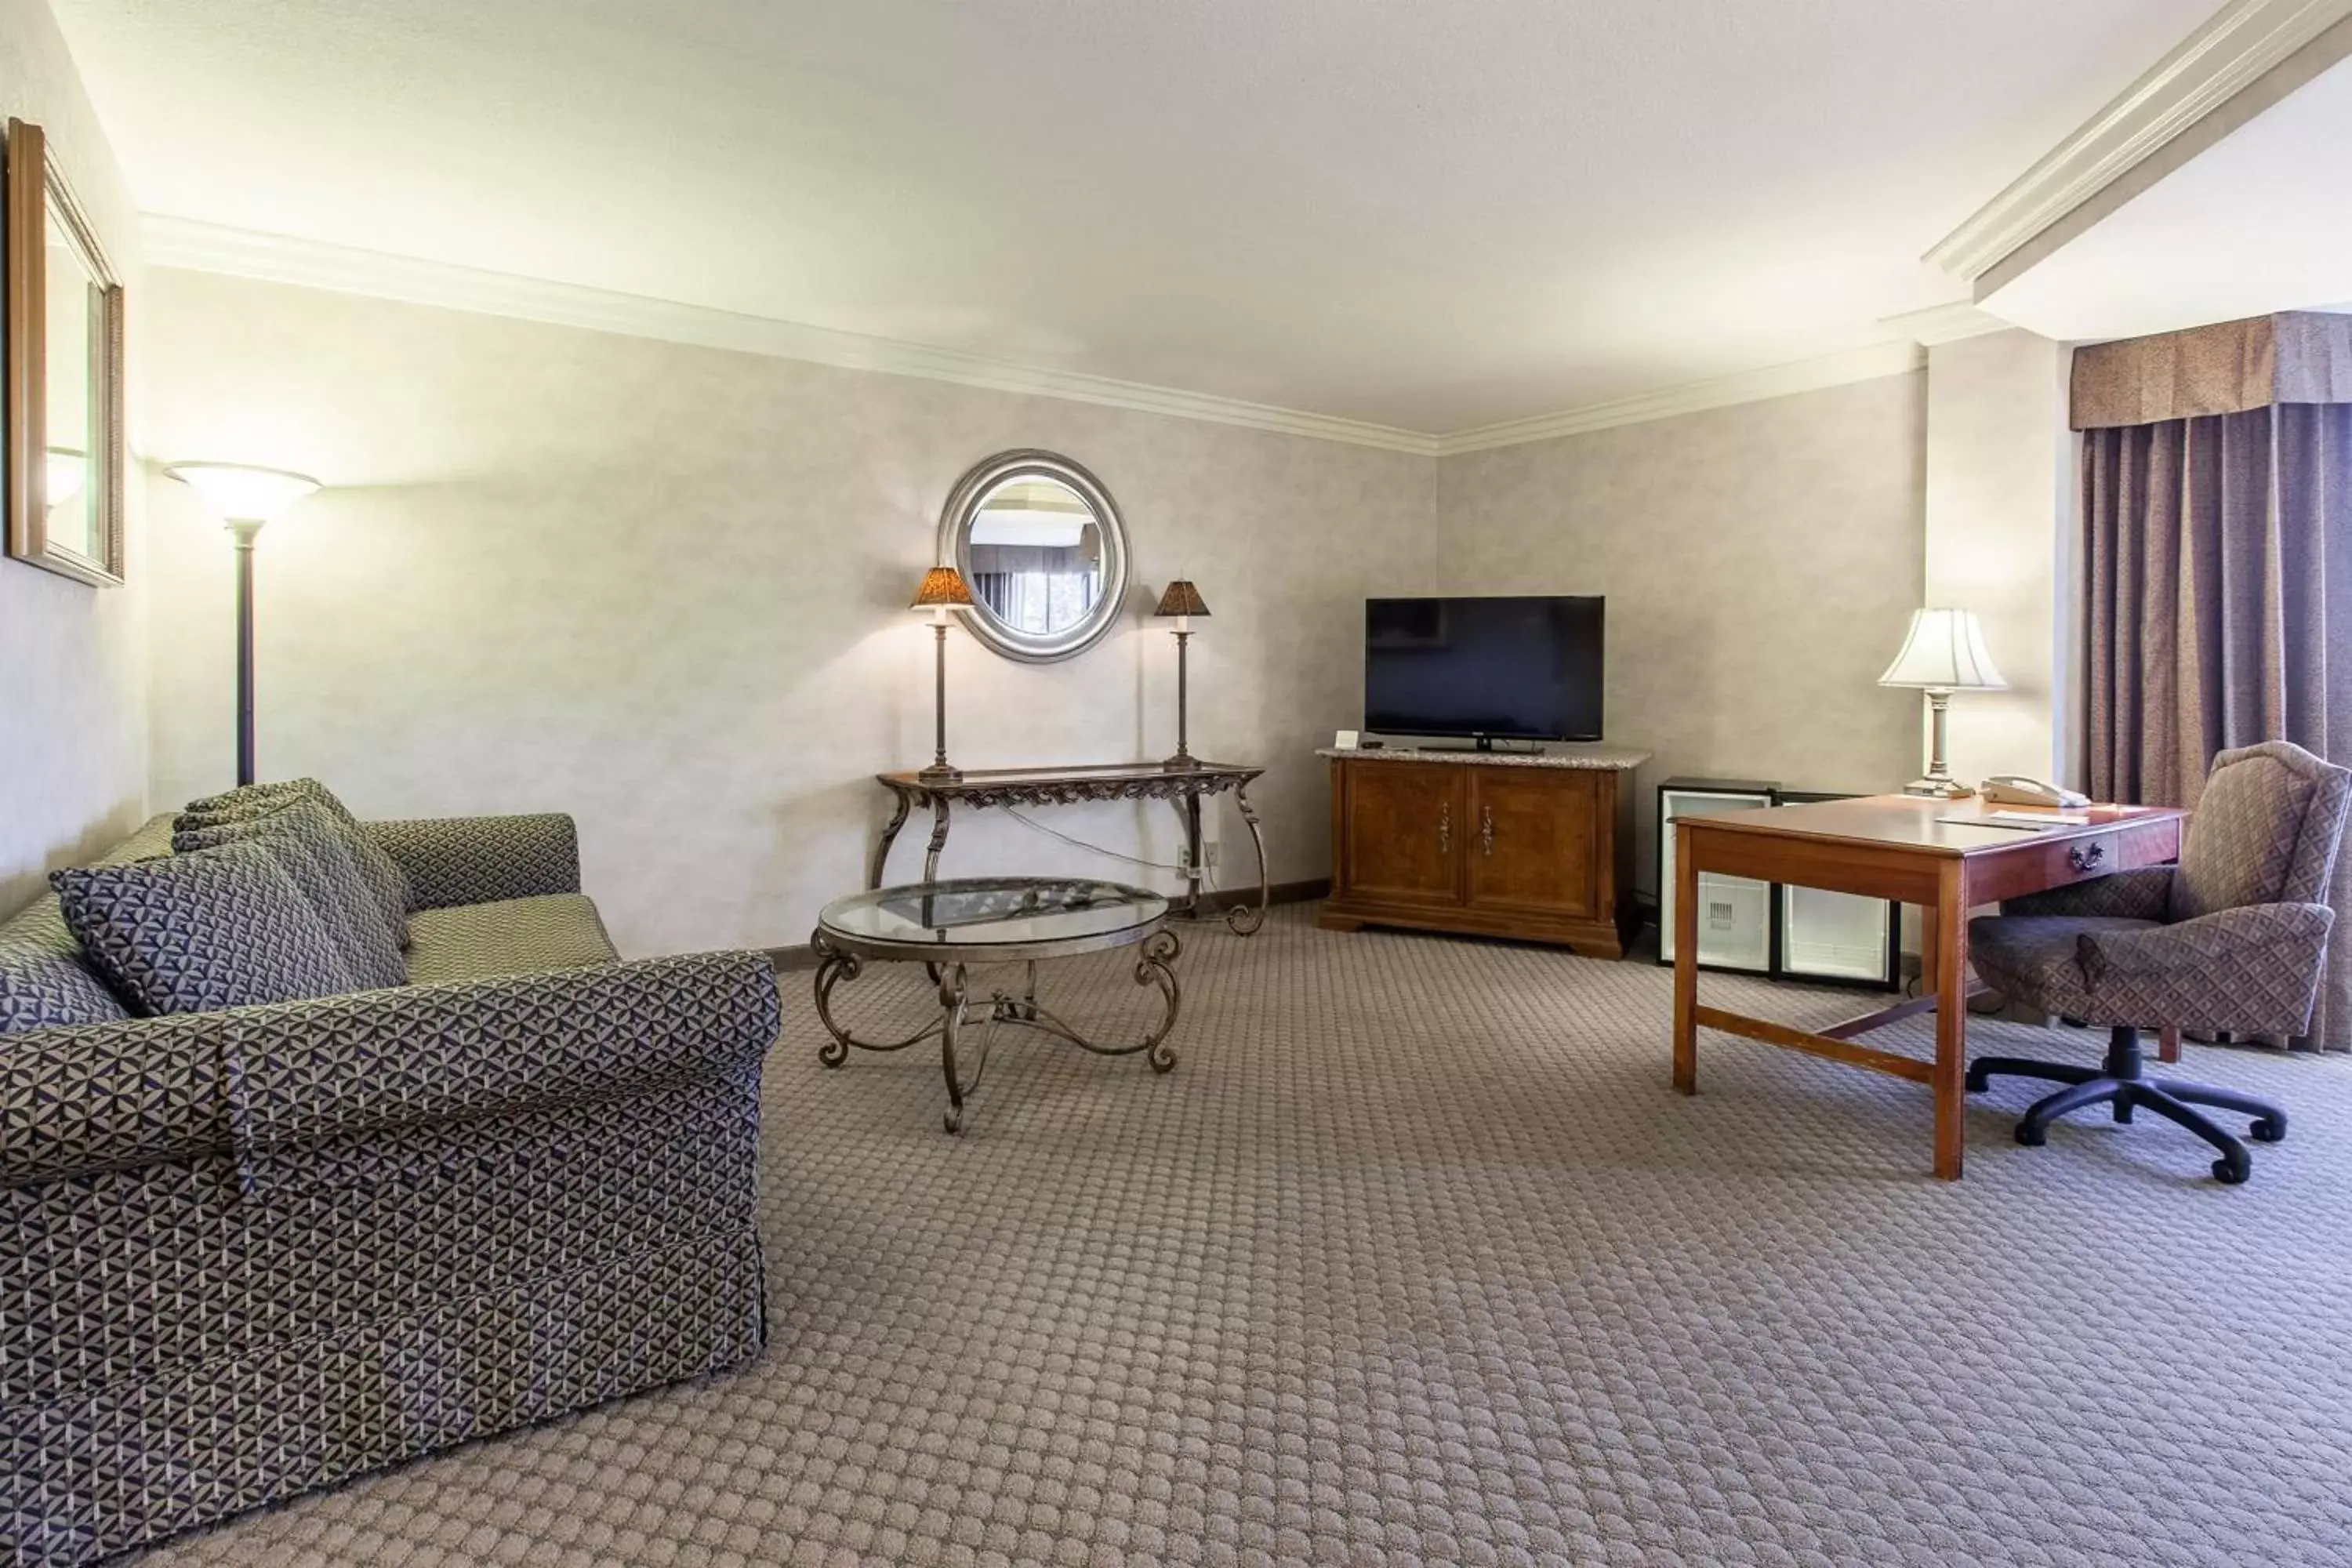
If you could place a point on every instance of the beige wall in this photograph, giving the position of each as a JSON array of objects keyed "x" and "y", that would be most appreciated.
[
  {"x": 73, "y": 725},
  {"x": 1761, "y": 563},
  {"x": 2001, "y": 532},
  {"x": 663, "y": 587}
]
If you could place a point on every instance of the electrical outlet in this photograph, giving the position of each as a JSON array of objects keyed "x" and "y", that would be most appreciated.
[
  {"x": 1183, "y": 857},
  {"x": 1209, "y": 854}
]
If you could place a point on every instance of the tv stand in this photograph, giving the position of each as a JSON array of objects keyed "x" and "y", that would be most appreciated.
[{"x": 1529, "y": 845}]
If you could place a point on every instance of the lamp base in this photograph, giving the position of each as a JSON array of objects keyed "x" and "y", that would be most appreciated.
[
  {"x": 1181, "y": 762},
  {"x": 1938, "y": 786},
  {"x": 940, "y": 773}
]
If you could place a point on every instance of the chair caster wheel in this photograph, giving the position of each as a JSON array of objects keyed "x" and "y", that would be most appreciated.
[
  {"x": 2230, "y": 1171},
  {"x": 2268, "y": 1130},
  {"x": 2030, "y": 1135}
]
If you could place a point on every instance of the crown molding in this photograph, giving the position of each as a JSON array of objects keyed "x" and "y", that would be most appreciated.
[
  {"x": 2241, "y": 43},
  {"x": 1866, "y": 363},
  {"x": 1947, "y": 323},
  {"x": 311, "y": 264}
]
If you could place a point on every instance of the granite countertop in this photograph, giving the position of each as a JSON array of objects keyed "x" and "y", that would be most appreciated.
[{"x": 1598, "y": 756}]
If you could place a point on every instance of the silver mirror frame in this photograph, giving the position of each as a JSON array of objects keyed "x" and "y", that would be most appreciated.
[{"x": 955, "y": 549}]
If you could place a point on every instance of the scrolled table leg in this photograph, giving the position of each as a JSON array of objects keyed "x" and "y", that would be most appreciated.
[
  {"x": 952, "y": 999},
  {"x": 1244, "y": 919},
  {"x": 1155, "y": 967},
  {"x": 833, "y": 967},
  {"x": 889, "y": 836}
]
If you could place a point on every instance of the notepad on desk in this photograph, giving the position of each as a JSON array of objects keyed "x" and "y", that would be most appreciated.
[{"x": 2032, "y": 821}]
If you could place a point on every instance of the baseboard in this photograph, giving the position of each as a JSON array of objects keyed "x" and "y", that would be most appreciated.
[{"x": 798, "y": 958}]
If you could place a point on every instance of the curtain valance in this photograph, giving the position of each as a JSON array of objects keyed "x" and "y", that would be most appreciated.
[{"x": 2295, "y": 356}]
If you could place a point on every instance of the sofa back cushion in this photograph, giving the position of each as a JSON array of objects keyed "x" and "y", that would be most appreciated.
[
  {"x": 44, "y": 982},
  {"x": 387, "y": 884},
  {"x": 314, "y": 848},
  {"x": 189, "y": 933}
]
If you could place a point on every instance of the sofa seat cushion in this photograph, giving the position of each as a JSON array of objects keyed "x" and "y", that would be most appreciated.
[
  {"x": 190, "y": 933},
  {"x": 512, "y": 936}
]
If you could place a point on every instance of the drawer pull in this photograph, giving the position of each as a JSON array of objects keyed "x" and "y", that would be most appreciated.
[
  {"x": 1486, "y": 828},
  {"x": 1444, "y": 828},
  {"x": 2085, "y": 856}
]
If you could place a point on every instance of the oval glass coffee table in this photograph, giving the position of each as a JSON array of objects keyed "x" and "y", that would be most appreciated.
[{"x": 954, "y": 927}]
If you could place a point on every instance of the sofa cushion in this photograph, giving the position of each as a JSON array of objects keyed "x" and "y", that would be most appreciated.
[
  {"x": 215, "y": 928},
  {"x": 253, "y": 803},
  {"x": 513, "y": 936},
  {"x": 44, "y": 984},
  {"x": 314, "y": 848}
]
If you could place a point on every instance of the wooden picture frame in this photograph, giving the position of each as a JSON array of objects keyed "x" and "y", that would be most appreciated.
[{"x": 42, "y": 217}]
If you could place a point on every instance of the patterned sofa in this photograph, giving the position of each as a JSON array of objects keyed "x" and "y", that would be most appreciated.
[{"x": 251, "y": 1252}]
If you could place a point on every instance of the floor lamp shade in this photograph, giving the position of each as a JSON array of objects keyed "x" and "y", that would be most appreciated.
[{"x": 245, "y": 497}]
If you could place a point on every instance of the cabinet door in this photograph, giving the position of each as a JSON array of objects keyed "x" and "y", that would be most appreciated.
[
  {"x": 1534, "y": 840},
  {"x": 1404, "y": 829}
]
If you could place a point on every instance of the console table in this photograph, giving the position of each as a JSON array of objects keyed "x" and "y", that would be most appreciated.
[{"x": 984, "y": 787}]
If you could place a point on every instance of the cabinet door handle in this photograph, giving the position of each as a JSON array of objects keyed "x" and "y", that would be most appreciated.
[
  {"x": 1486, "y": 827},
  {"x": 1445, "y": 827}
]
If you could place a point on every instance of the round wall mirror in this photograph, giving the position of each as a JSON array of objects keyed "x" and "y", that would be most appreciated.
[{"x": 1040, "y": 544}]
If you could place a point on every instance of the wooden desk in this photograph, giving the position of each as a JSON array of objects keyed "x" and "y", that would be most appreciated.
[{"x": 1900, "y": 848}]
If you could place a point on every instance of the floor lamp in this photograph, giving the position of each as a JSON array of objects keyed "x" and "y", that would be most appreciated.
[{"x": 245, "y": 497}]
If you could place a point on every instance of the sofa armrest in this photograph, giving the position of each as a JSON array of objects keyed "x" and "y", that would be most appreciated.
[
  {"x": 2140, "y": 894},
  {"x": 2254, "y": 970},
  {"x": 452, "y": 860},
  {"x": 254, "y": 1081}
]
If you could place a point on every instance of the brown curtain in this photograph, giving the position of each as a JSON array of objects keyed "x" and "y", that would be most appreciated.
[{"x": 2220, "y": 581}]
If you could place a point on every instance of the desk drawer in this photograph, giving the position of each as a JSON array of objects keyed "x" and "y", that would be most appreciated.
[{"x": 2036, "y": 865}]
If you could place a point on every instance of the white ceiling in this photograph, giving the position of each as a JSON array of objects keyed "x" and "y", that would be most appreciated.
[
  {"x": 1432, "y": 215},
  {"x": 2261, "y": 221}
]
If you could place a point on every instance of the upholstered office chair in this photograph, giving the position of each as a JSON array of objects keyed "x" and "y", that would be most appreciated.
[{"x": 2233, "y": 937}]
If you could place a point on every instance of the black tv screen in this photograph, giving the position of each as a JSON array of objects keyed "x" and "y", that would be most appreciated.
[{"x": 1521, "y": 669}]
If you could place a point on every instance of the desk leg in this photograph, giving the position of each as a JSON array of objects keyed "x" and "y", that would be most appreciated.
[
  {"x": 1685, "y": 963},
  {"x": 1945, "y": 933}
]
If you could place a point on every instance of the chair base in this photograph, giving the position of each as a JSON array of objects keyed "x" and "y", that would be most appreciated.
[{"x": 2120, "y": 1082}]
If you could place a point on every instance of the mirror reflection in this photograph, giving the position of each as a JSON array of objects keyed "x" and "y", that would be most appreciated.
[
  {"x": 75, "y": 315},
  {"x": 1036, "y": 556}
]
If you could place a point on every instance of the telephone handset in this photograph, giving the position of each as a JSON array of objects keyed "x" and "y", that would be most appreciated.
[{"x": 2016, "y": 789}]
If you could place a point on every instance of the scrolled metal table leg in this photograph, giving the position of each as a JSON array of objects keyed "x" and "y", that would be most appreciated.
[
  {"x": 1244, "y": 919},
  {"x": 1154, "y": 968},
  {"x": 952, "y": 1002},
  {"x": 939, "y": 838},
  {"x": 833, "y": 967},
  {"x": 889, "y": 836}
]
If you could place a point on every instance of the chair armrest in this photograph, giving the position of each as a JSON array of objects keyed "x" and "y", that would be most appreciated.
[
  {"x": 2254, "y": 969},
  {"x": 452, "y": 860},
  {"x": 2142, "y": 894},
  {"x": 254, "y": 1081}
]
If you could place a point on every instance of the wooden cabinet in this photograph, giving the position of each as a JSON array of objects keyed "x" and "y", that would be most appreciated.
[
  {"x": 1488, "y": 849},
  {"x": 1403, "y": 830}
]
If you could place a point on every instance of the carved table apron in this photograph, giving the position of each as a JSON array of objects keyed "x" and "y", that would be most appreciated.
[{"x": 981, "y": 788}]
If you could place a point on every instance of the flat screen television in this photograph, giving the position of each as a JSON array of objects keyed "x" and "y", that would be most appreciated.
[{"x": 1521, "y": 669}]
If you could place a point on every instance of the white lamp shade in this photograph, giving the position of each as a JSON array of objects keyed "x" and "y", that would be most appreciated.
[
  {"x": 241, "y": 491},
  {"x": 1945, "y": 652}
]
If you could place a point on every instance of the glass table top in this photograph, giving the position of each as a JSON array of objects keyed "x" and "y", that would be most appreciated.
[{"x": 978, "y": 911}]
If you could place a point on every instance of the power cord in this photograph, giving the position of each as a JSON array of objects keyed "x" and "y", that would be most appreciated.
[{"x": 1208, "y": 882}]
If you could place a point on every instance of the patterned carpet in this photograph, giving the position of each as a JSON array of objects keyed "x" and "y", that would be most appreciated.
[{"x": 1416, "y": 1258}]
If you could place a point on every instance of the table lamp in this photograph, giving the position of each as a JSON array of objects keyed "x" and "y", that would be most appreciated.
[
  {"x": 941, "y": 590},
  {"x": 1183, "y": 601},
  {"x": 1944, "y": 653},
  {"x": 245, "y": 497}
]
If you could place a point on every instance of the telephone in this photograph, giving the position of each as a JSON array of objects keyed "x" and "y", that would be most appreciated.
[{"x": 2016, "y": 789}]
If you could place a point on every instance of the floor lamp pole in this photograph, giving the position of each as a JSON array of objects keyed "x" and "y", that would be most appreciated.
[{"x": 244, "y": 531}]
